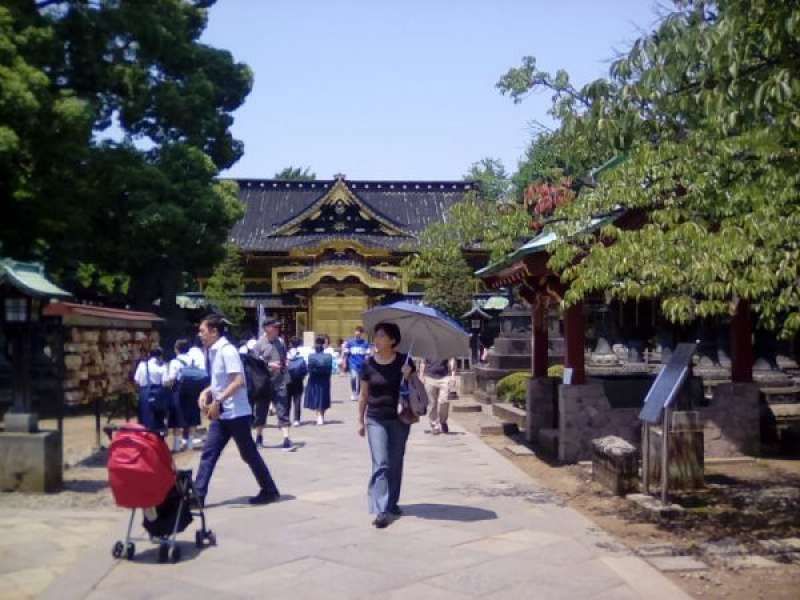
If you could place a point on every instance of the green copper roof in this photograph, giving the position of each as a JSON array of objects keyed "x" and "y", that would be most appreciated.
[
  {"x": 30, "y": 279},
  {"x": 539, "y": 243}
]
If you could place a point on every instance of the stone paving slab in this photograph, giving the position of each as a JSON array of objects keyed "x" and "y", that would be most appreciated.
[
  {"x": 677, "y": 563},
  {"x": 474, "y": 527}
]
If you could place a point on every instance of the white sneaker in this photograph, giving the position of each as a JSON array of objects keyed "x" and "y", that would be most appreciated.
[
  {"x": 320, "y": 420},
  {"x": 296, "y": 424}
]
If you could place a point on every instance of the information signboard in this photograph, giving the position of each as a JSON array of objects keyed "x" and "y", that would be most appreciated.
[{"x": 667, "y": 384}]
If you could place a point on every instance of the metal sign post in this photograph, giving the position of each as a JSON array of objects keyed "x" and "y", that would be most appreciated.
[{"x": 657, "y": 409}]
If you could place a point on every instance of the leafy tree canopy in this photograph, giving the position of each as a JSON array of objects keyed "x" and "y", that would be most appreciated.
[
  {"x": 492, "y": 177},
  {"x": 291, "y": 173},
  {"x": 226, "y": 285},
  {"x": 144, "y": 205},
  {"x": 472, "y": 224},
  {"x": 706, "y": 111}
]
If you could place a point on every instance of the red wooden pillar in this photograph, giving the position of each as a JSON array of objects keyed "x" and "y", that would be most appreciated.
[
  {"x": 539, "y": 358},
  {"x": 742, "y": 344},
  {"x": 574, "y": 338}
]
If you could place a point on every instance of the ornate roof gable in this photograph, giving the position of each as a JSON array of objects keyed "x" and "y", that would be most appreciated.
[{"x": 340, "y": 211}]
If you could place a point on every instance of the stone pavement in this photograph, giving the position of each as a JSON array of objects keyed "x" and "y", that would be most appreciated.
[
  {"x": 474, "y": 527},
  {"x": 54, "y": 539}
]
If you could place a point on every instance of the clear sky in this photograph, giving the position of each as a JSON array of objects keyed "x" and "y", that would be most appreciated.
[{"x": 404, "y": 89}]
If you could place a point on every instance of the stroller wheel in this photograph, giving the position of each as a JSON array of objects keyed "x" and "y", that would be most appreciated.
[
  {"x": 176, "y": 554},
  {"x": 116, "y": 549},
  {"x": 211, "y": 537},
  {"x": 199, "y": 538},
  {"x": 130, "y": 550},
  {"x": 163, "y": 553}
]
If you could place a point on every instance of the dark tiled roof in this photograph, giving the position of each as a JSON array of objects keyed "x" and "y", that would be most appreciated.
[
  {"x": 411, "y": 205},
  {"x": 287, "y": 242}
]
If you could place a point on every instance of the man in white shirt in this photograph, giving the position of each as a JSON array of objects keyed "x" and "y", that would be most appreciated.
[
  {"x": 226, "y": 405},
  {"x": 153, "y": 398}
]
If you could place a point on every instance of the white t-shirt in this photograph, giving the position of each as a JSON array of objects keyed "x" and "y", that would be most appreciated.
[{"x": 150, "y": 372}]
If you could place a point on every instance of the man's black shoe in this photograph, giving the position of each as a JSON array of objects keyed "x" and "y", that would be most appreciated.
[
  {"x": 264, "y": 497},
  {"x": 381, "y": 521},
  {"x": 396, "y": 511},
  {"x": 445, "y": 428}
]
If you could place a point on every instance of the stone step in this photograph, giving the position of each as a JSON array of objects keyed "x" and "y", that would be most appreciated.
[
  {"x": 492, "y": 426},
  {"x": 510, "y": 414},
  {"x": 466, "y": 407}
]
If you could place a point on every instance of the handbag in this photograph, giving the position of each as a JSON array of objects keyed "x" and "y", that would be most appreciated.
[{"x": 413, "y": 400}]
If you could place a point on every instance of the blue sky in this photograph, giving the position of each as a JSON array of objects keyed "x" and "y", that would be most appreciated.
[{"x": 404, "y": 89}]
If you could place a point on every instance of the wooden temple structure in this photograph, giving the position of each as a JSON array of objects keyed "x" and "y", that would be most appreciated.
[
  {"x": 603, "y": 387},
  {"x": 319, "y": 253}
]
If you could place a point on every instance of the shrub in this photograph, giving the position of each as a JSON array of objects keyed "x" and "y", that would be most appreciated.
[
  {"x": 514, "y": 388},
  {"x": 556, "y": 371}
]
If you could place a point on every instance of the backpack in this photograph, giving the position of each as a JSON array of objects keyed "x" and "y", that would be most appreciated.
[
  {"x": 297, "y": 368},
  {"x": 191, "y": 380},
  {"x": 257, "y": 376}
]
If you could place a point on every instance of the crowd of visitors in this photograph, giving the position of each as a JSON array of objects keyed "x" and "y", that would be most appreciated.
[{"x": 237, "y": 389}]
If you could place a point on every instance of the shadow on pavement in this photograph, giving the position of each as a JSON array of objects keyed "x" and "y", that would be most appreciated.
[
  {"x": 84, "y": 486},
  {"x": 448, "y": 512},
  {"x": 243, "y": 501},
  {"x": 189, "y": 551}
]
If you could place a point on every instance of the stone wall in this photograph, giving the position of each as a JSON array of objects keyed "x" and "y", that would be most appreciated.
[
  {"x": 731, "y": 422},
  {"x": 540, "y": 405},
  {"x": 585, "y": 414}
]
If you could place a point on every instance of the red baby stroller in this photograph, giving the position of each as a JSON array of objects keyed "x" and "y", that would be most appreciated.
[{"x": 142, "y": 474}]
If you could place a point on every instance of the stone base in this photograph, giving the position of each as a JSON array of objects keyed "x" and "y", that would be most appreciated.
[
  {"x": 585, "y": 414},
  {"x": 21, "y": 422},
  {"x": 731, "y": 421},
  {"x": 685, "y": 460},
  {"x": 541, "y": 407},
  {"x": 31, "y": 462},
  {"x": 547, "y": 440},
  {"x": 465, "y": 384},
  {"x": 615, "y": 465}
]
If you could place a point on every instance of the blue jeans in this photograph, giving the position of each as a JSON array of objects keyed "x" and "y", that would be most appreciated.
[
  {"x": 355, "y": 381},
  {"x": 387, "y": 445},
  {"x": 220, "y": 431}
]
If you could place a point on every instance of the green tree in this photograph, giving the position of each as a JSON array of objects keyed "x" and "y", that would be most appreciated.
[
  {"x": 144, "y": 205},
  {"x": 492, "y": 177},
  {"x": 225, "y": 287},
  {"x": 705, "y": 110},
  {"x": 291, "y": 173},
  {"x": 439, "y": 258},
  {"x": 44, "y": 134}
]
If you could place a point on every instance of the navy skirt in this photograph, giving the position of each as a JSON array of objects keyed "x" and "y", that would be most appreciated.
[{"x": 318, "y": 392}]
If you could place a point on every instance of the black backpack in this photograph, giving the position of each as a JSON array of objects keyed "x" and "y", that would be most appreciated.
[{"x": 257, "y": 376}]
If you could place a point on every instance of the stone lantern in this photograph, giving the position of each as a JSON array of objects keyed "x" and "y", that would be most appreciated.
[{"x": 30, "y": 459}]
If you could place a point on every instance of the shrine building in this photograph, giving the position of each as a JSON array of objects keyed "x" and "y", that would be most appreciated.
[{"x": 319, "y": 253}]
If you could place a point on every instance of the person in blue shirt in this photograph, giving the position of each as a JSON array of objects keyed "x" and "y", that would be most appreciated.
[
  {"x": 356, "y": 350},
  {"x": 228, "y": 410}
]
